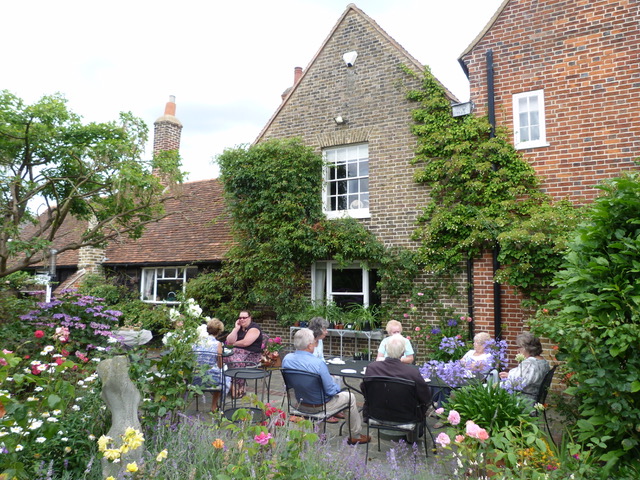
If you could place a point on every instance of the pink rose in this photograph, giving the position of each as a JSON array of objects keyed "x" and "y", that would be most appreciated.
[
  {"x": 482, "y": 435},
  {"x": 440, "y": 411},
  {"x": 417, "y": 329},
  {"x": 38, "y": 334},
  {"x": 443, "y": 439},
  {"x": 263, "y": 438},
  {"x": 459, "y": 438},
  {"x": 406, "y": 315},
  {"x": 454, "y": 417},
  {"x": 420, "y": 294},
  {"x": 474, "y": 431}
]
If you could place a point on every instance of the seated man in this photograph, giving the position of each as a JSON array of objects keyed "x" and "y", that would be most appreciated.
[
  {"x": 303, "y": 359},
  {"x": 392, "y": 366}
]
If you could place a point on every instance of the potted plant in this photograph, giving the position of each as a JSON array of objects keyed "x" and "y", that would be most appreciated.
[{"x": 271, "y": 353}]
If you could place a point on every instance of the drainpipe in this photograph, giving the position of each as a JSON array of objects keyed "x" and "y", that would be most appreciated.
[{"x": 497, "y": 294}]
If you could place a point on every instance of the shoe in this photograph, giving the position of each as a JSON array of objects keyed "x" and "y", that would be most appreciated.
[
  {"x": 340, "y": 415},
  {"x": 295, "y": 419},
  {"x": 359, "y": 439},
  {"x": 332, "y": 420}
]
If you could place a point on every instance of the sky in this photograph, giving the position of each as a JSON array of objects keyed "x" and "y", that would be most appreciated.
[{"x": 226, "y": 62}]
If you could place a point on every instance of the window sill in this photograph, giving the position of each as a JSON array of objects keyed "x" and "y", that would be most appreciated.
[
  {"x": 354, "y": 213},
  {"x": 528, "y": 146}
]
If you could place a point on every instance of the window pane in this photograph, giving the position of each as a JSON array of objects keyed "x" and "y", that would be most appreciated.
[
  {"x": 342, "y": 187},
  {"x": 534, "y": 118},
  {"x": 342, "y": 203},
  {"x": 347, "y": 280},
  {"x": 364, "y": 168},
  {"x": 353, "y": 186},
  {"x": 364, "y": 185},
  {"x": 352, "y": 170},
  {"x": 535, "y": 133},
  {"x": 345, "y": 301},
  {"x": 341, "y": 171},
  {"x": 524, "y": 120},
  {"x": 522, "y": 104},
  {"x": 168, "y": 290}
]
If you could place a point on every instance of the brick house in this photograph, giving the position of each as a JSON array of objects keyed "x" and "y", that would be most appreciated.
[
  {"x": 350, "y": 104},
  {"x": 563, "y": 77},
  {"x": 192, "y": 238}
]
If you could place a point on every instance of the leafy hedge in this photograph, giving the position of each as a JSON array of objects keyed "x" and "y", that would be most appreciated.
[{"x": 595, "y": 319}]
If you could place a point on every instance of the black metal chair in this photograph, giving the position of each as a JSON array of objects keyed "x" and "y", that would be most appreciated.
[
  {"x": 303, "y": 389},
  {"x": 212, "y": 380},
  {"x": 541, "y": 397},
  {"x": 393, "y": 404}
]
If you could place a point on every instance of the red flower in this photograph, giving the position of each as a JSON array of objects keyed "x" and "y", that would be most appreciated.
[{"x": 39, "y": 334}]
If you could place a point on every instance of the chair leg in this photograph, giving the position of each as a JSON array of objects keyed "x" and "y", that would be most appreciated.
[{"x": 366, "y": 452}]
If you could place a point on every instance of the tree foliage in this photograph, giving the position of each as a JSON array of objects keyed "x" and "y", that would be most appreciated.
[
  {"x": 53, "y": 167},
  {"x": 595, "y": 319},
  {"x": 483, "y": 195}
]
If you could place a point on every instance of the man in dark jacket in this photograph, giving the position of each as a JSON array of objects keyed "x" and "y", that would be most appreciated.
[{"x": 391, "y": 366}]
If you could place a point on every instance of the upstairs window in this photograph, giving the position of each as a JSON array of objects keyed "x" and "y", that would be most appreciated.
[
  {"x": 164, "y": 284},
  {"x": 346, "y": 189},
  {"x": 529, "y": 120}
]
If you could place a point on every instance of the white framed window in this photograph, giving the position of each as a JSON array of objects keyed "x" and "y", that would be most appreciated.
[
  {"x": 344, "y": 286},
  {"x": 529, "y": 128},
  {"x": 163, "y": 284},
  {"x": 346, "y": 185}
]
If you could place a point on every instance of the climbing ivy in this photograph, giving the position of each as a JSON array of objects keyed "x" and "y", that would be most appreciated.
[
  {"x": 273, "y": 191},
  {"x": 483, "y": 195}
]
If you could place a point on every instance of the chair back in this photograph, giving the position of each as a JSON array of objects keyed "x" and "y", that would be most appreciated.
[
  {"x": 210, "y": 360},
  {"x": 545, "y": 386},
  {"x": 303, "y": 389},
  {"x": 391, "y": 399}
]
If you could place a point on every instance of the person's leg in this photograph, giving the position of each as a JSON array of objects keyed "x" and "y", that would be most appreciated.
[
  {"x": 215, "y": 399},
  {"x": 343, "y": 399}
]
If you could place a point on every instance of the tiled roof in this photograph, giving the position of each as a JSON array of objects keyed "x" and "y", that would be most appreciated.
[
  {"x": 196, "y": 230},
  {"x": 69, "y": 232}
]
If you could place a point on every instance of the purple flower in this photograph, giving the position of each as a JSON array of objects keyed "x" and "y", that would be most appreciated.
[
  {"x": 452, "y": 323},
  {"x": 435, "y": 331}
]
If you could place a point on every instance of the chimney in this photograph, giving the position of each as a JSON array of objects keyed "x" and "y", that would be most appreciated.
[
  {"x": 297, "y": 73},
  {"x": 167, "y": 128}
]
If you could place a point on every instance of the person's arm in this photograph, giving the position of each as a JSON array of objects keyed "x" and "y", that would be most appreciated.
[
  {"x": 220, "y": 363},
  {"x": 331, "y": 388},
  {"x": 407, "y": 359},
  {"x": 233, "y": 335},
  {"x": 408, "y": 352},
  {"x": 381, "y": 350},
  {"x": 249, "y": 338}
]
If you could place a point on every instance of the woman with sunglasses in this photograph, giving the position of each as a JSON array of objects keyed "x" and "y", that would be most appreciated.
[{"x": 246, "y": 338}]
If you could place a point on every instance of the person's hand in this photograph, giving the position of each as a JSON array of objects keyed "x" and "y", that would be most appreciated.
[
  {"x": 503, "y": 375},
  {"x": 238, "y": 324}
]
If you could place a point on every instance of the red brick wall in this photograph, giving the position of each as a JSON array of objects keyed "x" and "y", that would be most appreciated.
[
  {"x": 371, "y": 96},
  {"x": 585, "y": 55}
]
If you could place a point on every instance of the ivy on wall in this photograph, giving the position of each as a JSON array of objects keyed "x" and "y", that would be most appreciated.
[
  {"x": 273, "y": 191},
  {"x": 483, "y": 195}
]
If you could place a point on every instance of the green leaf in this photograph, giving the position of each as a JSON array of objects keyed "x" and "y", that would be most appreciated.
[{"x": 53, "y": 400}]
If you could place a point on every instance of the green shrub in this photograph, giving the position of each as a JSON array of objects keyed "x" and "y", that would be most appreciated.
[
  {"x": 595, "y": 320},
  {"x": 490, "y": 406}
]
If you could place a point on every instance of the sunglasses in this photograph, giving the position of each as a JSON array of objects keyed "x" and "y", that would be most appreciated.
[{"x": 242, "y": 318}]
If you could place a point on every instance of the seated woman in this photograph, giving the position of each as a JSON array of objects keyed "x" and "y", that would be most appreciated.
[
  {"x": 395, "y": 328},
  {"x": 211, "y": 344},
  {"x": 531, "y": 371},
  {"x": 477, "y": 359},
  {"x": 246, "y": 338},
  {"x": 319, "y": 326}
]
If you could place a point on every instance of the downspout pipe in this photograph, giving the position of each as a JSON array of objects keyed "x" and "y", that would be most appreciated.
[{"x": 491, "y": 110}]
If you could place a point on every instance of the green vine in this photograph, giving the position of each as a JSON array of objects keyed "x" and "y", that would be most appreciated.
[
  {"x": 273, "y": 190},
  {"x": 483, "y": 195}
]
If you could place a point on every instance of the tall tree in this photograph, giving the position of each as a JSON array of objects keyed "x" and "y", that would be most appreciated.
[{"x": 54, "y": 167}]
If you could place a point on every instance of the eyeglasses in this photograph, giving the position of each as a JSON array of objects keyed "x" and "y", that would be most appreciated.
[{"x": 242, "y": 318}]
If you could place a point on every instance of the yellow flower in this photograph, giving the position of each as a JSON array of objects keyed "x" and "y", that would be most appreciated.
[
  {"x": 67, "y": 449},
  {"x": 132, "y": 438},
  {"x": 162, "y": 455},
  {"x": 103, "y": 441},
  {"x": 218, "y": 443},
  {"x": 132, "y": 467},
  {"x": 111, "y": 454},
  {"x": 124, "y": 448},
  {"x": 110, "y": 478}
]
